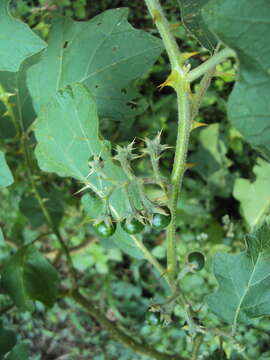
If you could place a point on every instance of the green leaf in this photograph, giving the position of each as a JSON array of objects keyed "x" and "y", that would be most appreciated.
[
  {"x": 244, "y": 280},
  {"x": 67, "y": 133},
  {"x": 29, "y": 276},
  {"x": 242, "y": 25},
  {"x": 236, "y": 356},
  {"x": 106, "y": 54},
  {"x": 6, "y": 177},
  {"x": 15, "y": 35},
  {"x": 67, "y": 152},
  {"x": 53, "y": 201},
  {"x": 254, "y": 197},
  {"x": 126, "y": 243},
  {"x": 211, "y": 160},
  {"x": 7, "y": 341},
  {"x": 192, "y": 19},
  {"x": 93, "y": 205},
  {"x": 19, "y": 352}
]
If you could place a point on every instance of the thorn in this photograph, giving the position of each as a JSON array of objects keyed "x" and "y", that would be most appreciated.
[
  {"x": 156, "y": 15},
  {"x": 220, "y": 73},
  {"x": 173, "y": 27},
  {"x": 171, "y": 80},
  {"x": 197, "y": 124},
  {"x": 165, "y": 83},
  {"x": 187, "y": 55},
  {"x": 163, "y": 274},
  {"x": 189, "y": 166},
  {"x": 82, "y": 189}
]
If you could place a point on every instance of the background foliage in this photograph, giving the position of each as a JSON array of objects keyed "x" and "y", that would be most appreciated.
[{"x": 226, "y": 193}]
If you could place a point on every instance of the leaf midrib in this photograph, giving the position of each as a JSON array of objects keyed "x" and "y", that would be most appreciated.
[{"x": 238, "y": 309}]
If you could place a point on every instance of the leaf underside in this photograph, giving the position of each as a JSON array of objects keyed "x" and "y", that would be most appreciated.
[
  {"x": 244, "y": 25},
  {"x": 192, "y": 19},
  {"x": 254, "y": 197},
  {"x": 244, "y": 280},
  {"x": 6, "y": 177}
]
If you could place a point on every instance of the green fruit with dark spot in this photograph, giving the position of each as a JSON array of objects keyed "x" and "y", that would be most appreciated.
[
  {"x": 161, "y": 221},
  {"x": 105, "y": 228},
  {"x": 197, "y": 259},
  {"x": 133, "y": 226},
  {"x": 152, "y": 318}
]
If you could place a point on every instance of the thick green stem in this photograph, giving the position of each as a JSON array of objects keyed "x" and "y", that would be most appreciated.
[
  {"x": 119, "y": 334},
  {"x": 163, "y": 27},
  {"x": 210, "y": 63},
  {"x": 184, "y": 127}
]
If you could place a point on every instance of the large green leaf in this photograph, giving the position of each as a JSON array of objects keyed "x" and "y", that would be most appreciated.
[
  {"x": 6, "y": 177},
  {"x": 19, "y": 352},
  {"x": 29, "y": 276},
  {"x": 105, "y": 54},
  {"x": 254, "y": 197},
  {"x": 17, "y": 41},
  {"x": 67, "y": 133},
  {"x": 192, "y": 19},
  {"x": 211, "y": 161},
  {"x": 7, "y": 341},
  {"x": 244, "y": 280},
  {"x": 243, "y": 25},
  {"x": 67, "y": 152}
]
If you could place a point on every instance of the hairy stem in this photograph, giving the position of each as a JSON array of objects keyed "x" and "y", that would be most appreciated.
[
  {"x": 148, "y": 256},
  {"x": 181, "y": 87},
  {"x": 196, "y": 347},
  {"x": 199, "y": 94},
  {"x": 117, "y": 333},
  {"x": 184, "y": 127},
  {"x": 210, "y": 63},
  {"x": 163, "y": 27}
]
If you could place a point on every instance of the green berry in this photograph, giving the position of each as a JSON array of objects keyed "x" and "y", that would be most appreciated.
[
  {"x": 197, "y": 259},
  {"x": 161, "y": 221},
  {"x": 133, "y": 226},
  {"x": 105, "y": 228},
  {"x": 152, "y": 318}
]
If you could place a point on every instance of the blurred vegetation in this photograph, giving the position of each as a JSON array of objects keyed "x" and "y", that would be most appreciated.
[{"x": 208, "y": 215}]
